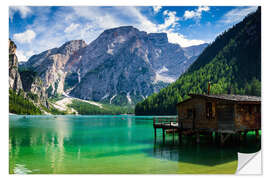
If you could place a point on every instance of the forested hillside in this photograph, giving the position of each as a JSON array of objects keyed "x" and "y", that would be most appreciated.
[
  {"x": 19, "y": 104},
  {"x": 232, "y": 63}
]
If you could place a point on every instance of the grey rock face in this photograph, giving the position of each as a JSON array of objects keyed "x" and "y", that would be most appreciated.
[
  {"x": 128, "y": 63},
  {"x": 50, "y": 65},
  {"x": 122, "y": 66},
  {"x": 14, "y": 76},
  {"x": 33, "y": 85}
]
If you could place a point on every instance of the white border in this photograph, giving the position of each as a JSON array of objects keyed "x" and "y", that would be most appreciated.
[
  {"x": 4, "y": 78},
  {"x": 136, "y": 2}
]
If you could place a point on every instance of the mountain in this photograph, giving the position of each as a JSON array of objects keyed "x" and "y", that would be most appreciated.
[
  {"x": 232, "y": 63},
  {"x": 15, "y": 82},
  {"x": 122, "y": 66},
  {"x": 25, "y": 90},
  {"x": 50, "y": 65},
  {"x": 193, "y": 52}
]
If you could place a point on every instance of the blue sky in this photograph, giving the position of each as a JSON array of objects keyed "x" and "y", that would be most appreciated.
[{"x": 35, "y": 29}]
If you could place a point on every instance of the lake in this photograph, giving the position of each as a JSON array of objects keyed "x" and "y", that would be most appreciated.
[{"x": 110, "y": 145}]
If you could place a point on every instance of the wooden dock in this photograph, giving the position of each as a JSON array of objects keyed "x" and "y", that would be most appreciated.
[{"x": 170, "y": 125}]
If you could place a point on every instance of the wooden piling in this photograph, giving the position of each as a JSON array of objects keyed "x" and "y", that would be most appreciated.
[
  {"x": 216, "y": 137},
  {"x": 241, "y": 137},
  {"x": 197, "y": 137},
  {"x": 221, "y": 139},
  {"x": 245, "y": 136},
  {"x": 210, "y": 137},
  {"x": 257, "y": 134},
  {"x": 163, "y": 134},
  {"x": 237, "y": 138},
  {"x": 155, "y": 134},
  {"x": 173, "y": 135},
  {"x": 180, "y": 136}
]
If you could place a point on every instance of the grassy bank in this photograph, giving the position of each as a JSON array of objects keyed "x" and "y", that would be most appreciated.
[{"x": 85, "y": 108}]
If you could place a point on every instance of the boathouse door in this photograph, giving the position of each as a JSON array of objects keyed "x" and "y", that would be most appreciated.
[{"x": 225, "y": 117}]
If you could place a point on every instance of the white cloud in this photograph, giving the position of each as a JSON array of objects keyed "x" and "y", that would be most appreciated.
[
  {"x": 203, "y": 8},
  {"x": 138, "y": 20},
  {"x": 196, "y": 14},
  {"x": 24, "y": 11},
  {"x": 237, "y": 14},
  {"x": 170, "y": 20},
  {"x": 97, "y": 16},
  {"x": 111, "y": 17},
  {"x": 156, "y": 9},
  {"x": 87, "y": 23},
  {"x": 178, "y": 38},
  {"x": 71, "y": 28},
  {"x": 20, "y": 55},
  {"x": 25, "y": 37},
  {"x": 101, "y": 19},
  {"x": 24, "y": 56},
  {"x": 30, "y": 53}
]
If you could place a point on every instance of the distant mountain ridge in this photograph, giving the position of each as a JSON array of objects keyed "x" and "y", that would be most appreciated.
[
  {"x": 232, "y": 63},
  {"x": 194, "y": 51},
  {"x": 122, "y": 66}
]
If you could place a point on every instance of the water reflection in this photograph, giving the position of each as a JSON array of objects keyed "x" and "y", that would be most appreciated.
[
  {"x": 39, "y": 132},
  {"x": 55, "y": 140},
  {"x": 206, "y": 153},
  {"x": 20, "y": 169},
  {"x": 65, "y": 144},
  {"x": 203, "y": 155}
]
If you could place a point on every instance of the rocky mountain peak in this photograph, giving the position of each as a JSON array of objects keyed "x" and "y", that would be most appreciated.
[
  {"x": 121, "y": 30},
  {"x": 12, "y": 47},
  {"x": 121, "y": 34},
  {"x": 158, "y": 38},
  {"x": 72, "y": 46}
]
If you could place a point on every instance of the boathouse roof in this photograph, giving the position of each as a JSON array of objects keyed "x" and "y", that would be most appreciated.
[{"x": 228, "y": 97}]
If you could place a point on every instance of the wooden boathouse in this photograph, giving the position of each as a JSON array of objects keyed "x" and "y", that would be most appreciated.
[{"x": 226, "y": 115}]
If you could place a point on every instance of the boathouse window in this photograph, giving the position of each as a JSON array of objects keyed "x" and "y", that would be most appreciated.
[
  {"x": 189, "y": 113},
  {"x": 208, "y": 110}
]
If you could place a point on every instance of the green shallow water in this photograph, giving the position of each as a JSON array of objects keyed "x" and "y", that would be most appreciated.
[{"x": 110, "y": 145}]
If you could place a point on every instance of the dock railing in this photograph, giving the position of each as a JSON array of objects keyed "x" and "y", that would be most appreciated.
[{"x": 165, "y": 121}]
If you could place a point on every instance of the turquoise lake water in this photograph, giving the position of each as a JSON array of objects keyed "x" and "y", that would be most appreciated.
[{"x": 110, "y": 145}]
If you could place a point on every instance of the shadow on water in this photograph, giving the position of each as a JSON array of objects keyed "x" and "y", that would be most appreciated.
[{"x": 206, "y": 153}]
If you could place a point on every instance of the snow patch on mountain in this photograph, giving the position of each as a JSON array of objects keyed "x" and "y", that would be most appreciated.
[
  {"x": 106, "y": 95},
  {"x": 112, "y": 98},
  {"x": 163, "y": 77},
  {"x": 128, "y": 97},
  {"x": 110, "y": 49},
  {"x": 163, "y": 69}
]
